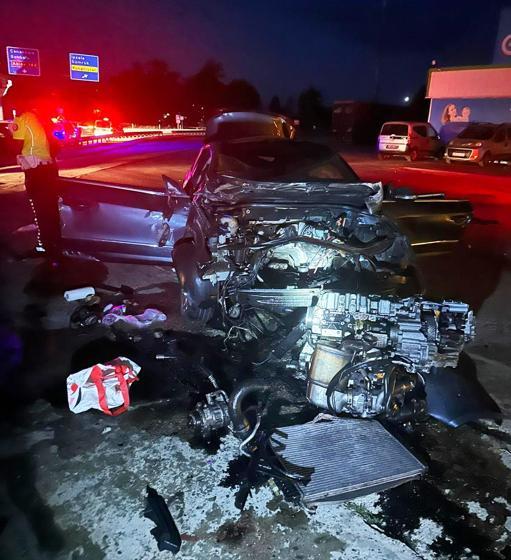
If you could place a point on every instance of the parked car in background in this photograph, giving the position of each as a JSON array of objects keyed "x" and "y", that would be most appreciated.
[
  {"x": 99, "y": 127},
  {"x": 66, "y": 132},
  {"x": 412, "y": 140},
  {"x": 481, "y": 143}
]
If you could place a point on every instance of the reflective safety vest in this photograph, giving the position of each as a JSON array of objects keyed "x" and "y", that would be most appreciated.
[{"x": 28, "y": 127}]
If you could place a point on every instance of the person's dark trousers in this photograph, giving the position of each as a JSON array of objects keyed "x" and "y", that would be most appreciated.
[{"x": 41, "y": 186}]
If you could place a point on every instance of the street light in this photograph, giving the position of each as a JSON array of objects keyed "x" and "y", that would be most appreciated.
[{"x": 406, "y": 99}]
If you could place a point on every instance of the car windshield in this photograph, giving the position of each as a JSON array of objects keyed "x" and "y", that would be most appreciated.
[
  {"x": 394, "y": 129},
  {"x": 282, "y": 160},
  {"x": 478, "y": 132}
]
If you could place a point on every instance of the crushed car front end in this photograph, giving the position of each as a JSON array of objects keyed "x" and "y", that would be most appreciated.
[{"x": 313, "y": 272}]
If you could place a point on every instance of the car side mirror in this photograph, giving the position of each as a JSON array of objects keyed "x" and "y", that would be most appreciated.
[
  {"x": 399, "y": 193},
  {"x": 173, "y": 188},
  {"x": 404, "y": 193}
]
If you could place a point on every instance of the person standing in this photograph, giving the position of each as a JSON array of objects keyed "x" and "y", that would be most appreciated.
[{"x": 41, "y": 176}]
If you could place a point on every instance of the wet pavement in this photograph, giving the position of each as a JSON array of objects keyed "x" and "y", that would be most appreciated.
[{"x": 73, "y": 486}]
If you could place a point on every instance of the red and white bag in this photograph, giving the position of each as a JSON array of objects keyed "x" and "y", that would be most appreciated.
[{"x": 104, "y": 387}]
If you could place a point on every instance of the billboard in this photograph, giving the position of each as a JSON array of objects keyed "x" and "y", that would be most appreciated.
[
  {"x": 23, "y": 61},
  {"x": 503, "y": 43},
  {"x": 452, "y": 116},
  {"x": 84, "y": 67}
]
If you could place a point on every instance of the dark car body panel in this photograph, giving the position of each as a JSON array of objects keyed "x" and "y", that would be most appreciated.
[
  {"x": 119, "y": 223},
  {"x": 431, "y": 225}
]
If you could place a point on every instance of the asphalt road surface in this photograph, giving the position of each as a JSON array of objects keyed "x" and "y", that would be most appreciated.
[{"x": 72, "y": 487}]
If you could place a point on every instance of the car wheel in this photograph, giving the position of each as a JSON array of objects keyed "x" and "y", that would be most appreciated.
[
  {"x": 486, "y": 160},
  {"x": 414, "y": 154},
  {"x": 381, "y": 156},
  {"x": 192, "y": 311}
]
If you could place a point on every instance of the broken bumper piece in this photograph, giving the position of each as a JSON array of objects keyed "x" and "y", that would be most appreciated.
[{"x": 166, "y": 533}]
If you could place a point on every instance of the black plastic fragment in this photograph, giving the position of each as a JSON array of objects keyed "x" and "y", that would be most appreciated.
[
  {"x": 264, "y": 464},
  {"x": 166, "y": 533},
  {"x": 455, "y": 396},
  {"x": 122, "y": 289}
]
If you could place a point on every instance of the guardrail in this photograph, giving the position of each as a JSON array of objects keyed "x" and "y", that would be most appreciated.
[{"x": 137, "y": 133}]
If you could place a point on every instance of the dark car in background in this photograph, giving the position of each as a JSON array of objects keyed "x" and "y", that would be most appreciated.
[
  {"x": 66, "y": 132},
  {"x": 481, "y": 143}
]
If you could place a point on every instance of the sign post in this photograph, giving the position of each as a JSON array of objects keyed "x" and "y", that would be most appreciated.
[
  {"x": 5, "y": 84},
  {"x": 23, "y": 62},
  {"x": 84, "y": 67}
]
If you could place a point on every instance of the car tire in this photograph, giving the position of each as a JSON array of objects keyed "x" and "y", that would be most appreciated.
[
  {"x": 381, "y": 156},
  {"x": 413, "y": 155},
  {"x": 486, "y": 160},
  {"x": 192, "y": 289}
]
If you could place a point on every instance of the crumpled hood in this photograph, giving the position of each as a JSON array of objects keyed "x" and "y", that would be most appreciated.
[{"x": 235, "y": 191}]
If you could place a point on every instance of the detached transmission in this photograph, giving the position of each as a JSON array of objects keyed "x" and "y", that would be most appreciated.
[{"x": 367, "y": 356}]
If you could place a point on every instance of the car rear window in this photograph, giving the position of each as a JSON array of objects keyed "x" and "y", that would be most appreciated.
[
  {"x": 394, "y": 129},
  {"x": 282, "y": 160},
  {"x": 247, "y": 129},
  {"x": 477, "y": 132}
]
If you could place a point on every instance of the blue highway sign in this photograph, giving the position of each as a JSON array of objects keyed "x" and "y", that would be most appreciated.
[
  {"x": 84, "y": 67},
  {"x": 23, "y": 62}
]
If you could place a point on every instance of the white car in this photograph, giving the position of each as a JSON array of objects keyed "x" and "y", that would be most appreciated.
[{"x": 411, "y": 140}]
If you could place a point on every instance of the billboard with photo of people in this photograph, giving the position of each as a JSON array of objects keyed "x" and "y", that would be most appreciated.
[
  {"x": 503, "y": 42},
  {"x": 451, "y": 116}
]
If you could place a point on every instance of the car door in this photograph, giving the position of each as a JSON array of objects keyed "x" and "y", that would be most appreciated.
[
  {"x": 420, "y": 140},
  {"x": 507, "y": 150},
  {"x": 433, "y": 225},
  {"x": 499, "y": 143},
  {"x": 197, "y": 172},
  {"x": 121, "y": 223},
  {"x": 434, "y": 144}
]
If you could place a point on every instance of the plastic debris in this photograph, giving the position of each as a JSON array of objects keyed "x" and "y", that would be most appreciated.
[
  {"x": 104, "y": 387},
  {"x": 166, "y": 533},
  {"x": 114, "y": 314},
  {"x": 79, "y": 293}
]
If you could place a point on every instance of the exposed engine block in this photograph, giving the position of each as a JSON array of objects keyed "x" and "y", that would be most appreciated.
[
  {"x": 366, "y": 353},
  {"x": 302, "y": 256},
  {"x": 425, "y": 332}
]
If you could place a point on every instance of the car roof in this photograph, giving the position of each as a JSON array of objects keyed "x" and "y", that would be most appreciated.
[
  {"x": 217, "y": 122},
  {"x": 405, "y": 122}
]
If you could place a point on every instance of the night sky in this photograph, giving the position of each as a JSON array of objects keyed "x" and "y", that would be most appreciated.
[{"x": 281, "y": 46}]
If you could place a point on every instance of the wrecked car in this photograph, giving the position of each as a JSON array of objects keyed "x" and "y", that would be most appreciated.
[{"x": 280, "y": 243}]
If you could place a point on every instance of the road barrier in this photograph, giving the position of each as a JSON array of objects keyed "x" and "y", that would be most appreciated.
[{"x": 137, "y": 133}]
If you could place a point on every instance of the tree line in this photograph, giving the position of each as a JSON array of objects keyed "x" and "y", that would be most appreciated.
[
  {"x": 152, "y": 92},
  {"x": 148, "y": 92}
]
